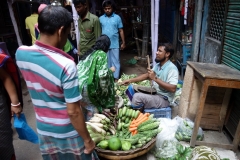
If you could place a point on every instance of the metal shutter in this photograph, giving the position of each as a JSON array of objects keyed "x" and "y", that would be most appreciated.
[
  {"x": 231, "y": 43},
  {"x": 231, "y": 58}
]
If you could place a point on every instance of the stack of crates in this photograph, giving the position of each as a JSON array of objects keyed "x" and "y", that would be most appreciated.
[{"x": 160, "y": 113}]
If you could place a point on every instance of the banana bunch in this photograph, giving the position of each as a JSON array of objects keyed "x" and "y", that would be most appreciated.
[{"x": 99, "y": 127}]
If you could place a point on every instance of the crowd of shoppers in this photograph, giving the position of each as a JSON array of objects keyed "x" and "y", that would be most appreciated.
[{"x": 55, "y": 84}]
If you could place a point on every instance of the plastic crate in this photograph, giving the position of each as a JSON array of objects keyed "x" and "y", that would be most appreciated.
[{"x": 160, "y": 113}]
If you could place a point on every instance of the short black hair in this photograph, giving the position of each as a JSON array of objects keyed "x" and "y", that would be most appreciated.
[
  {"x": 109, "y": 3},
  {"x": 69, "y": 8},
  {"x": 52, "y": 18},
  {"x": 168, "y": 47},
  {"x": 35, "y": 7},
  {"x": 76, "y": 2}
]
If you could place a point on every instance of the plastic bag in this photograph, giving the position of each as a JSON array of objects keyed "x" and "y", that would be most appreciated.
[
  {"x": 185, "y": 129},
  {"x": 169, "y": 128},
  {"x": 167, "y": 150},
  {"x": 176, "y": 100},
  {"x": 24, "y": 131}
]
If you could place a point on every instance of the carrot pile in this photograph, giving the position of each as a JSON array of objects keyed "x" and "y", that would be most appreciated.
[{"x": 142, "y": 117}]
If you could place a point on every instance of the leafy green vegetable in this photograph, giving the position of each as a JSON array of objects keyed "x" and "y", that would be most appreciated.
[
  {"x": 126, "y": 145},
  {"x": 103, "y": 144}
]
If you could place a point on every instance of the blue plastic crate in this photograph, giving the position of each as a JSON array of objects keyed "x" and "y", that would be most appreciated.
[{"x": 160, "y": 113}]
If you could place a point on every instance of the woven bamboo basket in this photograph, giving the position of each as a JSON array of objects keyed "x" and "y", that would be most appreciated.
[{"x": 120, "y": 155}]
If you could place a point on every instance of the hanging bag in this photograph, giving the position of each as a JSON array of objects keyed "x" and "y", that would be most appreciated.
[{"x": 25, "y": 132}]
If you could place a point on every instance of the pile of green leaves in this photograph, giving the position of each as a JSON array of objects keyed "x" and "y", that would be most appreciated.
[{"x": 172, "y": 150}]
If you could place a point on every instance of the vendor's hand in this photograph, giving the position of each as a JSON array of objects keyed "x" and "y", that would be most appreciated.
[
  {"x": 126, "y": 82},
  {"x": 151, "y": 74},
  {"x": 89, "y": 146},
  {"x": 113, "y": 69},
  {"x": 16, "y": 110},
  {"x": 122, "y": 46}
]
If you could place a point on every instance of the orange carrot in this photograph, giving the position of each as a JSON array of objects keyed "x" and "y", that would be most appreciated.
[
  {"x": 134, "y": 132},
  {"x": 132, "y": 129},
  {"x": 133, "y": 121},
  {"x": 141, "y": 121},
  {"x": 140, "y": 118},
  {"x": 132, "y": 126}
]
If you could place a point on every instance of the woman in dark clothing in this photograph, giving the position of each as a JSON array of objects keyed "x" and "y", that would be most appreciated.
[{"x": 10, "y": 103}]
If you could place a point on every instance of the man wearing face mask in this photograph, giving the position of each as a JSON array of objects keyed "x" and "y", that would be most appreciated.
[{"x": 164, "y": 76}]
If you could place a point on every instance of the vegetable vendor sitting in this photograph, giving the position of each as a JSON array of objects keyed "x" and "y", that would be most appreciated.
[
  {"x": 96, "y": 82},
  {"x": 165, "y": 78}
]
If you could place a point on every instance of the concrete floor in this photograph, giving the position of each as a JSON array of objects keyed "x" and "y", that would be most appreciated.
[{"x": 27, "y": 151}]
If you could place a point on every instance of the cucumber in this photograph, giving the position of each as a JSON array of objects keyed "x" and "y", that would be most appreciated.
[
  {"x": 97, "y": 139},
  {"x": 92, "y": 135},
  {"x": 130, "y": 112},
  {"x": 124, "y": 111},
  {"x": 126, "y": 125},
  {"x": 143, "y": 138},
  {"x": 143, "y": 142},
  {"x": 120, "y": 112},
  {"x": 133, "y": 113},
  {"x": 148, "y": 139},
  {"x": 136, "y": 114},
  {"x": 119, "y": 125},
  {"x": 133, "y": 147},
  {"x": 137, "y": 136},
  {"x": 186, "y": 138},
  {"x": 123, "y": 118},
  {"x": 176, "y": 136},
  {"x": 139, "y": 145},
  {"x": 127, "y": 112},
  {"x": 127, "y": 120},
  {"x": 180, "y": 135},
  {"x": 132, "y": 141}
]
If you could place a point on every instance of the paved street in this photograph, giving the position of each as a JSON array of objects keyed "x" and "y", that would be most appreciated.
[{"x": 25, "y": 150}]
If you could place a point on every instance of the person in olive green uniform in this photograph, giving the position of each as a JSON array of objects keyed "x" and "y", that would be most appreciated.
[{"x": 89, "y": 26}]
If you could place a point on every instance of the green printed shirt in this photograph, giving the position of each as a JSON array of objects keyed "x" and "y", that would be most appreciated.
[
  {"x": 94, "y": 72},
  {"x": 90, "y": 30}
]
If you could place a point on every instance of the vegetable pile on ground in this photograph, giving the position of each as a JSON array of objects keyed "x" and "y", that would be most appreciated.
[
  {"x": 127, "y": 129},
  {"x": 173, "y": 150},
  {"x": 185, "y": 130}
]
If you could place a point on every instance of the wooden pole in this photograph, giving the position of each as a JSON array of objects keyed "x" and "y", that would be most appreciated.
[{"x": 148, "y": 61}]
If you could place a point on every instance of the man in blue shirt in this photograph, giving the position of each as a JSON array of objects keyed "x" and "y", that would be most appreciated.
[
  {"x": 164, "y": 76},
  {"x": 112, "y": 26}
]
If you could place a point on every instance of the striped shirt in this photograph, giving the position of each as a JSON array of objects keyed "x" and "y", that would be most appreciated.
[{"x": 52, "y": 81}]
